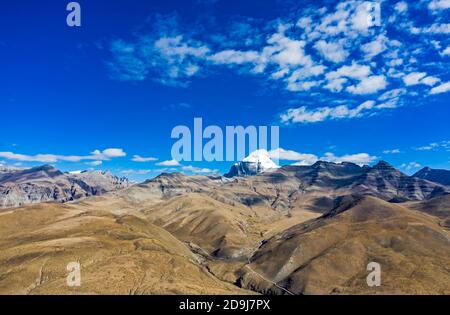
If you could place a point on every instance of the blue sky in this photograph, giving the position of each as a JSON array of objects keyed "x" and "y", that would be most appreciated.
[{"x": 99, "y": 95}]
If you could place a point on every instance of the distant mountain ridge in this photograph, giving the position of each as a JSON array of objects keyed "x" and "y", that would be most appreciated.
[
  {"x": 257, "y": 177},
  {"x": 434, "y": 175},
  {"x": 46, "y": 183},
  {"x": 381, "y": 180}
]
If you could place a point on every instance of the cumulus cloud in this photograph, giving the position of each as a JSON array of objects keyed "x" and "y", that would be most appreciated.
[
  {"x": 164, "y": 54},
  {"x": 439, "y": 5},
  {"x": 433, "y": 29},
  {"x": 392, "y": 94},
  {"x": 303, "y": 159},
  {"x": 332, "y": 51},
  {"x": 428, "y": 147},
  {"x": 334, "y": 48},
  {"x": 199, "y": 170},
  {"x": 235, "y": 57},
  {"x": 410, "y": 166},
  {"x": 109, "y": 153},
  {"x": 95, "y": 163},
  {"x": 369, "y": 85},
  {"x": 415, "y": 78},
  {"x": 289, "y": 155},
  {"x": 140, "y": 159},
  {"x": 446, "y": 51},
  {"x": 301, "y": 80},
  {"x": 96, "y": 155},
  {"x": 354, "y": 71},
  {"x": 359, "y": 158},
  {"x": 306, "y": 115},
  {"x": 375, "y": 47},
  {"x": 168, "y": 163},
  {"x": 401, "y": 7},
  {"x": 443, "y": 88},
  {"x": 392, "y": 151}
]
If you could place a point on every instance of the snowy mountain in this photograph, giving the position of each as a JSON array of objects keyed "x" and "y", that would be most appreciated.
[{"x": 257, "y": 162}]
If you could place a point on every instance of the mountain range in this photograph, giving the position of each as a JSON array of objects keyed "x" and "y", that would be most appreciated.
[
  {"x": 45, "y": 183},
  {"x": 267, "y": 230}
]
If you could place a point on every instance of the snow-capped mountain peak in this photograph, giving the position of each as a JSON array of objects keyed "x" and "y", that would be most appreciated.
[
  {"x": 262, "y": 157},
  {"x": 257, "y": 162}
]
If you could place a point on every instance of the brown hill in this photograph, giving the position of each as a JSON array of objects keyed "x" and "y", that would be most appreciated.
[
  {"x": 119, "y": 254},
  {"x": 330, "y": 254}
]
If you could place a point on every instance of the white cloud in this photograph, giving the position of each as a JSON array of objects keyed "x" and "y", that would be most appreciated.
[
  {"x": 369, "y": 85},
  {"x": 309, "y": 159},
  {"x": 375, "y": 47},
  {"x": 332, "y": 51},
  {"x": 439, "y": 5},
  {"x": 401, "y": 7},
  {"x": 234, "y": 57},
  {"x": 138, "y": 158},
  {"x": 110, "y": 153},
  {"x": 95, "y": 163},
  {"x": 177, "y": 48},
  {"x": 395, "y": 62},
  {"x": 289, "y": 155},
  {"x": 354, "y": 71},
  {"x": 281, "y": 51},
  {"x": 301, "y": 85},
  {"x": 199, "y": 170},
  {"x": 336, "y": 85},
  {"x": 361, "y": 17},
  {"x": 350, "y": 18},
  {"x": 300, "y": 80},
  {"x": 171, "y": 59},
  {"x": 359, "y": 158},
  {"x": 411, "y": 165},
  {"x": 96, "y": 155},
  {"x": 305, "y": 115},
  {"x": 428, "y": 147},
  {"x": 169, "y": 163},
  {"x": 443, "y": 88},
  {"x": 430, "y": 80},
  {"x": 286, "y": 51},
  {"x": 415, "y": 78},
  {"x": 393, "y": 151},
  {"x": 392, "y": 94},
  {"x": 446, "y": 51},
  {"x": 435, "y": 28}
]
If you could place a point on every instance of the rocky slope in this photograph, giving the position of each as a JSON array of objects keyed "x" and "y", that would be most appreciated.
[
  {"x": 45, "y": 183},
  {"x": 100, "y": 182}
]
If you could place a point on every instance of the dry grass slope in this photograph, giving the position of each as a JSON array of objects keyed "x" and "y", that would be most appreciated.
[{"x": 119, "y": 254}]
